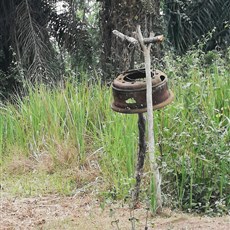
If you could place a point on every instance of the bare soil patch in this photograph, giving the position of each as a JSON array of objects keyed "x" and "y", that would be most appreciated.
[{"x": 83, "y": 212}]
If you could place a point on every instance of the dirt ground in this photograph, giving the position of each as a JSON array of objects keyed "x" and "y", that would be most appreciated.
[{"x": 83, "y": 212}]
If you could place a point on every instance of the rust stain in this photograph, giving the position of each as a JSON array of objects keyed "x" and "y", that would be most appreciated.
[{"x": 129, "y": 91}]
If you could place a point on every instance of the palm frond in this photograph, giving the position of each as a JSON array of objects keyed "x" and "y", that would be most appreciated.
[
  {"x": 188, "y": 21},
  {"x": 33, "y": 44},
  {"x": 72, "y": 33}
]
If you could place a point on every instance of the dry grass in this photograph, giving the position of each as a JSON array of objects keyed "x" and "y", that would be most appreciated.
[
  {"x": 46, "y": 172},
  {"x": 84, "y": 212},
  {"x": 46, "y": 163},
  {"x": 20, "y": 164}
]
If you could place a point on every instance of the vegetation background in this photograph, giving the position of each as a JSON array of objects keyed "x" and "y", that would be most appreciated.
[{"x": 58, "y": 133}]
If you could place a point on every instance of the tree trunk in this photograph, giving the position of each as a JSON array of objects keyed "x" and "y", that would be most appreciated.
[{"x": 124, "y": 15}]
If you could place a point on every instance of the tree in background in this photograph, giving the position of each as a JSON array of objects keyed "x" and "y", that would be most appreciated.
[
  {"x": 124, "y": 16},
  {"x": 189, "y": 20},
  {"x": 75, "y": 31},
  {"x": 28, "y": 31},
  {"x": 38, "y": 41}
]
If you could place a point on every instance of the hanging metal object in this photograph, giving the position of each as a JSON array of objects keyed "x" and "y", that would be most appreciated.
[{"x": 129, "y": 91}]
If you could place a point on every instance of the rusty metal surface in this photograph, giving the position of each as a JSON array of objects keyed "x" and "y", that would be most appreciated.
[{"x": 129, "y": 91}]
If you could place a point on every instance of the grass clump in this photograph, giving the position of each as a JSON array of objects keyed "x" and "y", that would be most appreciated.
[{"x": 59, "y": 140}]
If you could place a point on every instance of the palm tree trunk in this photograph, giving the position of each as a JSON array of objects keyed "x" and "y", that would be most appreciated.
[{"x": 124, "y": 15}]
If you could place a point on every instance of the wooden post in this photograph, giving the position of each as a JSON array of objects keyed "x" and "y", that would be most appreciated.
[
  {"x": 151, "y": 141},
  {"x": 145, "y": 44}
]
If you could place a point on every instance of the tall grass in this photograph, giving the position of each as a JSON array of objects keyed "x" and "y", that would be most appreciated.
[{"x": 192, "y": 135}]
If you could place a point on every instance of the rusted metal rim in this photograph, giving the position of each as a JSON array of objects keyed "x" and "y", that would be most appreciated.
[
  {"x": 143, "y": 110},
  {"x": 135, "y": 80},
  {"x": 129, "y": 91}
]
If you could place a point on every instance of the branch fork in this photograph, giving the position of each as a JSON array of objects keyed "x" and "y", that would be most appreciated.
[
  {"x": 145, "y": 44},
  {"x": 151, "y": 39}
]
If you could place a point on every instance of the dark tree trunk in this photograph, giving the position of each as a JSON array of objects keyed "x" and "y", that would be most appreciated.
[
  {"x": 7, "y": 81},
  {"x": 140, "y": 159},
  {"x": 124, "y": 15},
  {"x": 5, "y": 53}
]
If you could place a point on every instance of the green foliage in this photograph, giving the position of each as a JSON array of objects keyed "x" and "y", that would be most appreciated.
[
  {"x": 196, "y": 138},
  {"x": 187, "y": 21},
  {"x": 76, "y": 121},
  {"x": 35, "y": 39}
]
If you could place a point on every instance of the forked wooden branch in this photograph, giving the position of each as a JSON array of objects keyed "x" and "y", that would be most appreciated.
[
  {"x": 156, "y": 39},
  {"x": 145, "y": 44},
  {"x": 151, "y": 141},
  {"x": 125, "y": 37}
]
